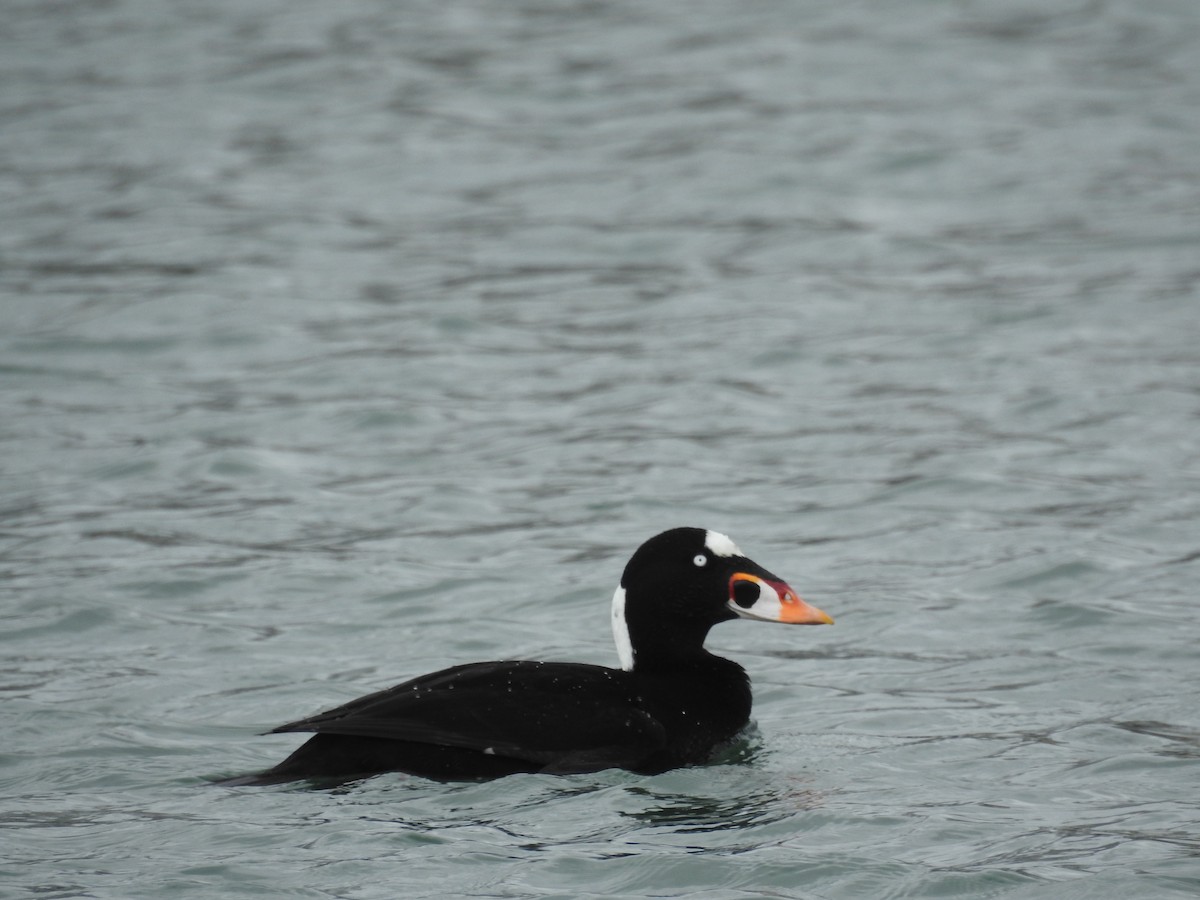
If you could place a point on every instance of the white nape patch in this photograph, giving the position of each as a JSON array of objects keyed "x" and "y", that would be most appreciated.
[
  {"x": 620, "y": 629},
  {"x": 720, "y": 545}
]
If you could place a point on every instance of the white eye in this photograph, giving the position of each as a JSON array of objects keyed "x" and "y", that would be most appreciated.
[{"x": 701, "y": 559}]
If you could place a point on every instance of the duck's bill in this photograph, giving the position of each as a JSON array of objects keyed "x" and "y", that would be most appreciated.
[{"x": 767, "y": 600}]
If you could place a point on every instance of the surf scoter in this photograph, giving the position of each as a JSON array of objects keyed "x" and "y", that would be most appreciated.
[{"x": 672, "y": 703}]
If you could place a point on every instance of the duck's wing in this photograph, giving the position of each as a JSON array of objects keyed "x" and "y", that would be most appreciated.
[{"x": 563, "y": 717}]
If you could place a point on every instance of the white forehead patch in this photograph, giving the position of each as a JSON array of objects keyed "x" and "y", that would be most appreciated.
[{"x": 720, "y": 545}]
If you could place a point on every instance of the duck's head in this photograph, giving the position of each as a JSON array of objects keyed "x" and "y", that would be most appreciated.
[{"x": 680, "y": 583}]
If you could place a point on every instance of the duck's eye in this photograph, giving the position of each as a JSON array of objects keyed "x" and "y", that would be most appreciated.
[{"x": 700, "y": 559}]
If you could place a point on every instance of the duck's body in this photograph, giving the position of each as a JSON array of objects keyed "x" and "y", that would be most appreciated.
[{"x": 672, "y": 704}]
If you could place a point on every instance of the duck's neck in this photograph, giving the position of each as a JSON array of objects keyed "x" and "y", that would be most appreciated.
[
  {"x": 691, "y": 664},
  {"x": 643, "y": 640}
]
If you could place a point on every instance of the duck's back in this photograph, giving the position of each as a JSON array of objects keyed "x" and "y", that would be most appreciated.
[
  {"x": 481, "y": 720},
  {"x": 484, "y": 720}
]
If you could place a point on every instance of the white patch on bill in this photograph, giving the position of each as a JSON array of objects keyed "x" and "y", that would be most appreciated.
[
  {"x": 720, "y": 545},
  {"x": 620, "y": 629}
]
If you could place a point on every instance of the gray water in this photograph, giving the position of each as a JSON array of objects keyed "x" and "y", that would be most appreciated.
[{"x": 346, "y": 341}]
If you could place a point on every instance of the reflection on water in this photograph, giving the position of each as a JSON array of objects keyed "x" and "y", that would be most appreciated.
[{"x": 681, "y": 814}]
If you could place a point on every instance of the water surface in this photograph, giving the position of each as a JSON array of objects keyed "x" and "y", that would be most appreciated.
[{"x": 347, "y": 341}]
